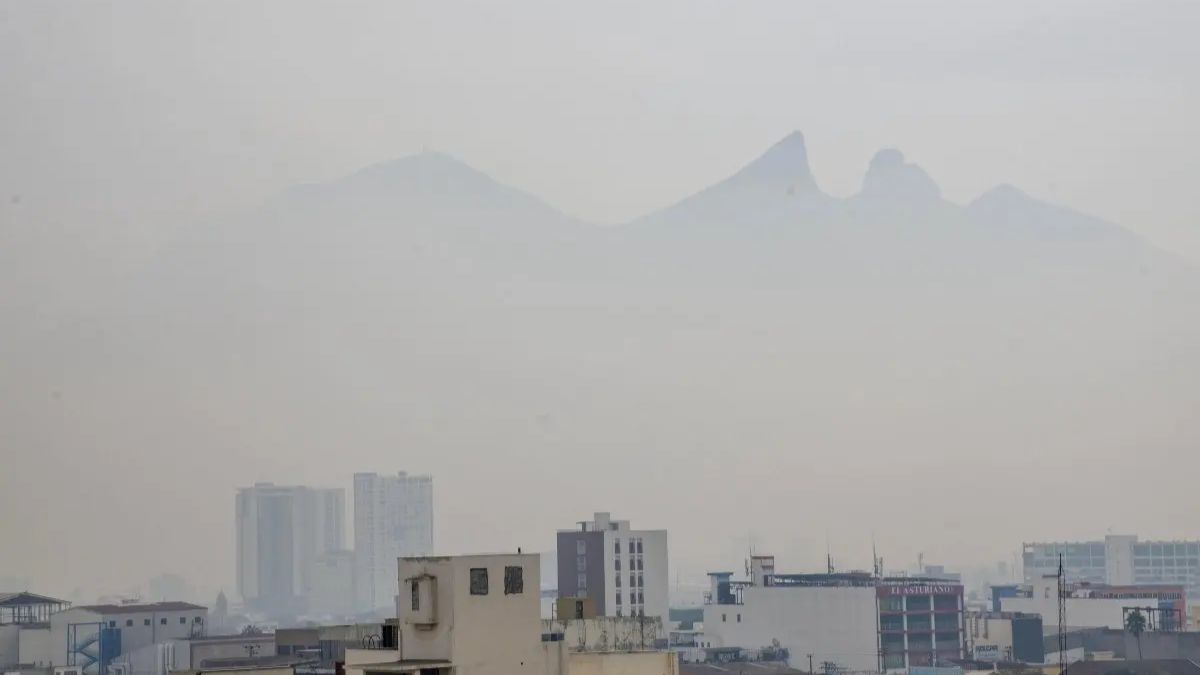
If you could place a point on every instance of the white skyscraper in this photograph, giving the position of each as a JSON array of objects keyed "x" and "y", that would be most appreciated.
[
  {"x": 393, "y": 517},
  {"x": 281, "y": 531}
]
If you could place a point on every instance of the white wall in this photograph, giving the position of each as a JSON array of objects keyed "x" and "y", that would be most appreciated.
[
  {"x": 624, "y": 663},
  {"x": 833, "y": 624},
  {"x": 1081, "y": 612},
  {"x": 35, "y": 646},
  {"x": 480, "y": 634}
]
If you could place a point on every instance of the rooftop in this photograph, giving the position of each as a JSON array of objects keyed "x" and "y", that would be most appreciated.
[
  {"x": 403, "y": 666},
  {"x": 169, "y": 606},
  {"x": 20, "y": 598}
]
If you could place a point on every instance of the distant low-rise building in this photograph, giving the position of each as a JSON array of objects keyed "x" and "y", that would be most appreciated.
[
  {"x": 25, "y": 629},
  {"x": 1118, "y": 560},
  {"x": 848, "y": 621},
  {"x": 1099, "y": 605},
  {"x": 135, "y": 636}
]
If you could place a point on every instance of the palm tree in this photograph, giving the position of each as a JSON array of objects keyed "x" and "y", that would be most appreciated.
[{"x": 1135, "y": 623}]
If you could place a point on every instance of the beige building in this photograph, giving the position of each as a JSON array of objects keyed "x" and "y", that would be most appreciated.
[{"x": 479, "y": 615}]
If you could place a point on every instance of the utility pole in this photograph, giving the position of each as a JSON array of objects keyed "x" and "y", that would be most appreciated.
[
  {"x": 1062, "y": 617},
  {"x": 810, "y": 670}
]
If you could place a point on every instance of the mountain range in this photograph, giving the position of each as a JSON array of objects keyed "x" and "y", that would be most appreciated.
[{"x": 760, "y": 340}]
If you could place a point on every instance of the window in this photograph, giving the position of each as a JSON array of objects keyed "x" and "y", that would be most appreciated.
[
  {"x": 580, "y": 547},
  {"x": 893, "y": 603},
  {"x": 581, "y": 563},
  {"x": 618, "y": 581},
  {"x": 617, "y": 564},
  {"x": 579, "y": 609},
  {"x": 145, "y": 622},
  {"x": 891, "y": 622},
  {"x": 514, "y": 580},
  {"x": 581, "y": 583},
  {"x": 918, "y": 602},
  {"x": 163, "y": 621},
  {"x": 739, "y": 618},
  {"x": 112, "y": 624},
  {"x": 128, "y": 623},
  {"x": 416, "y": 596},
  {"x": 722, "y": 618},
  {"x": 639, "y": 545},
  {"x": 479, "y": 581},
  {"x": 945, "y": 602},
  {"x": 198, "y": 619},
  {"x": 183, "y": 620},
  {"x": 618, "y": 598},
  {"x": 632, "y": 579},
  {"x": 617, "y": 546},
  {"x": 640, "y": 600}
]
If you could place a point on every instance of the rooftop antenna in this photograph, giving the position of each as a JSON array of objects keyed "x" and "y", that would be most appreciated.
[
  {"x": 875, "y": 564},
  {"x": 828, "y": 555}
]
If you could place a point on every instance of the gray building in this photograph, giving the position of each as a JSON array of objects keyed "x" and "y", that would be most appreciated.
[
  {"x": 281, "y": 533},
  {"x": 1118, "y": 560},
  {"x": 623, "y": 571}
]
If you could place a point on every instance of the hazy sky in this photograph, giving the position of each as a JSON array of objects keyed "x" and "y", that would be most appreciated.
[
  {"x": 122, "y": 122},
  {"x": 146, "y": 113}
]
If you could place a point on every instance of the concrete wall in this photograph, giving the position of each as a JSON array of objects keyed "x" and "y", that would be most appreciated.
[
  {"x": 34, "y": 646},
  {"x": 622, "y": 663},
  {"x": 833, "y": 624},
  {"x": 10, "y": 645},
  {"x": 480, "y": 634},
  {"x": 608, "y": 633}
]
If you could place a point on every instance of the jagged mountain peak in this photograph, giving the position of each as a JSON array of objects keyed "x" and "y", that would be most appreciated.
[
  {"x": 890, "y": 176},
  {"x": 784, "y": 163}
]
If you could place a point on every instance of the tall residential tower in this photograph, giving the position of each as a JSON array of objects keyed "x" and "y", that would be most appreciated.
[
  {"x": 281, "y": 532},
  {"x": 393, "y": 517}
]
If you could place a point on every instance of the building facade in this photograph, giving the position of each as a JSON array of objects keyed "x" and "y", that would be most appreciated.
[
  {"x": 851, "y": 621},
  {"x": 480, "y": 615},
  {"x": 1117, "y": 560},
  {"x": 1099, "y": 605},
  {"x": 623, "y": 571},
  {"x": 393, "y": 518},
  {"x": 281, "y": 532},
  {"x": 133, "y": 638}
]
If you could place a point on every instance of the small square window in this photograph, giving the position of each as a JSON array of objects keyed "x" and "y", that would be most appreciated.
[
  {"x": 112, "y": 624},
  {"x": 183, "y": 620},
  {"x": 128, "y": 623},
  {"x": 145, "y": 622},
  {"x": 163, "y": 621},
  {"x": 722, "y": 618},
  {"x": 198, "y": 619},
  {"x": 580, "y": 547},
  {"x": 514, "y": 580},
  {"x": 479, "y": 581}
]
